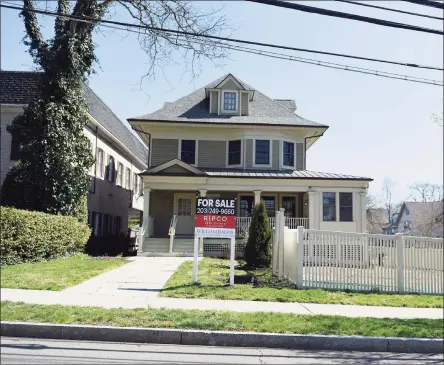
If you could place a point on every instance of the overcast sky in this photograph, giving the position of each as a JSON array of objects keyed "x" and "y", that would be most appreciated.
[{"x": 378, "y": 127}]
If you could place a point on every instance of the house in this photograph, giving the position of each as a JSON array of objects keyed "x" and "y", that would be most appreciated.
[
  {"x": 424, "y": 219},
  {"x": 116, "y": 188},
  {"x": 229, "y": 140}
]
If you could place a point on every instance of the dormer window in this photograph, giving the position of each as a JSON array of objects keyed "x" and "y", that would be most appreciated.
[{"x": 230, "y": 101}]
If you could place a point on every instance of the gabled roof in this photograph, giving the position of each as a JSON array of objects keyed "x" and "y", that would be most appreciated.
[
  {"x": 22, "y": 87},
  {"x": 194, "y": 108},
  {"x": 421, "y": 210},
  {"x": 186, "y": 169}
]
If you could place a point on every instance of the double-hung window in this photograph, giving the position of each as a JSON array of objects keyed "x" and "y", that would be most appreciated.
[
  {"x": 262, "y": 152},
  {"x": 188, "y": 151},
  {"x": 346, "y": 207},
  {"x": 288, "y": 154},
  {"x": 230, "y": 100},
  {"x": 128, "y": 179},
  {"x": 234, "y": 152},
  {"x": 100, "y": 162},
  {"x": 329, "y": 207},
  {"x": 111, "y": 170},
  {"x": 120, "y": 174}
]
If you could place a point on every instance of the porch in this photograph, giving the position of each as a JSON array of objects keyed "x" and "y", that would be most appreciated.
[{"x": 170, "y": 226}]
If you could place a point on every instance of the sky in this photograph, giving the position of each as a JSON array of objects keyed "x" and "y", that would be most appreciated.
[{"x": 379, "y": 128}]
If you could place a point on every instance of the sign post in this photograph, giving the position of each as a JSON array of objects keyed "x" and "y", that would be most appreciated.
[{"x": 215, "y": 218}]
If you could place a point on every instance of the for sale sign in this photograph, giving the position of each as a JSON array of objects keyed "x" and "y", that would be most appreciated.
[{"x": 215, "y": 217}]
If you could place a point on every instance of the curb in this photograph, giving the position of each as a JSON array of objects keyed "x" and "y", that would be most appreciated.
[{"x": 220, "y": 338}]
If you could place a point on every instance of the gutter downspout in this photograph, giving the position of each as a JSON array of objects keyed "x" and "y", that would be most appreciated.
[
  {"x": 149, "y": 144},
  {"x": 305, "y": 147}
]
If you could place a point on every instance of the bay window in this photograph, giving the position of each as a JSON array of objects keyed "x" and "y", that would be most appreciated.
[
  {"x": 188, "y": 151},
  {"x": 262, "y": 152},
  {"x": 234, "y": 152},
  {"x": 288, "y": 154}
]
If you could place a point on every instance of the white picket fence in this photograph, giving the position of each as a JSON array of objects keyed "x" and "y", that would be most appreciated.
[{"x": 358, "y": 261}]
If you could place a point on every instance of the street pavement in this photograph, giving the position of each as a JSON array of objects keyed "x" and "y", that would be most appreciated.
[
  {"x": 38, "y": 351},
  {"x": 137, "y": 285}
]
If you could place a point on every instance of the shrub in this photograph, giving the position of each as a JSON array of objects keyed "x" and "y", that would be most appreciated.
[
  {"x": 27, "y": 236},
  {"x": 258, "y": 248}
]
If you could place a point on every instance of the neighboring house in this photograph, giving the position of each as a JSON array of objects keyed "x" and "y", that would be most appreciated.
[
  {"x": 229, "y": 140},
  {"x": 424, "y": 219},
  {"x": 116, "y": 189}
]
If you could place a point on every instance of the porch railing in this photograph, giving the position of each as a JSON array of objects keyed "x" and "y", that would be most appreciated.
[
  {"x": 243, "y": 224},
  {"x": 172, "y": 231}
]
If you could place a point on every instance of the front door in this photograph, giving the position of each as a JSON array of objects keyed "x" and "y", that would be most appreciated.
[{"x": 184, "y": 209}]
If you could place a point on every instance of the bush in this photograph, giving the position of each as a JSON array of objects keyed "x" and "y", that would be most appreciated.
[
  {"x": 258, "y": 248},
  {"x": 27, "y": 236}
]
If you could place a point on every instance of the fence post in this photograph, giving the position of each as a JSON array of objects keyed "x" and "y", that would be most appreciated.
[
  {"x": 275, "y": 246},
  {"x": 300, "y": 258},
  {"x": 281, "y": 228},
  {"x": 400, "y": 262}
]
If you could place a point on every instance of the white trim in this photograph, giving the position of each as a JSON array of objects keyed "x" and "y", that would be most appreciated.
[
  {"x": 228, "y": 151},
  {"x": 236, "y": 92},
  {"x": 179, "y": 163},
  {"x": 281, "y": 157},
  {"x": 270, "y": 157},
  {"x": 179, "y": 156}
]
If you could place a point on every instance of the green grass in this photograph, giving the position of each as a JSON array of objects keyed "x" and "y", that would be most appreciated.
[
  {"x": 56, "y": 274},
  {"x": 214, "y": 273},
  {"x": 223, "y": 321}
]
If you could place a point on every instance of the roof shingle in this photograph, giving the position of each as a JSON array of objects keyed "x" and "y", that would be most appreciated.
[{"x": 194, "y": 108}]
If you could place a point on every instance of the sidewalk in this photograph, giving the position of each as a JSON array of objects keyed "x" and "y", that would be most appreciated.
[{"x": 137, "y": 285}]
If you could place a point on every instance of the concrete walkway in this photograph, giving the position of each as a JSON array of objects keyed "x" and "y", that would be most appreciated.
[{"x": 137, "y": 284}]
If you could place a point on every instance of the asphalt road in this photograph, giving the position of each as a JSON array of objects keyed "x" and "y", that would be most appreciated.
[{"x": 39, "y": 351}]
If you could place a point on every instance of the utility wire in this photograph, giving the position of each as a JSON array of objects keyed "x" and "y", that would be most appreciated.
[
  {"x": 233, "y": 40},
  {"x": 389, "y": 9},
  {"x": 433, "y": 4},
  {"x": 185, "y": 44},
  {"x": 339, "y": 14}
]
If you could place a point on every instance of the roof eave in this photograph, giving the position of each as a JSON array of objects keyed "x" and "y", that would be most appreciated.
[{"x": 138, "y": 119}]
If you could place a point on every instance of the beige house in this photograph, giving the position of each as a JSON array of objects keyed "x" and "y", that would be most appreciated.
[
  {"x": 116, "y": 189},
  {"x": 229, "y": 140}
]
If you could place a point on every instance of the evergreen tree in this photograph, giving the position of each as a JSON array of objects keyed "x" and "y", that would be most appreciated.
[{"x": 258, "y": 249}]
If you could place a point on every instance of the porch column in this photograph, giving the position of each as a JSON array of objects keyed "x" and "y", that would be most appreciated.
[
  {"x": 202, "y": 194},
  {"x": 311, "y": 209},
  {"x": 363, "y": 211},
  {"x": 257, "y": 197},
  {"x": 143, "y": 231}
]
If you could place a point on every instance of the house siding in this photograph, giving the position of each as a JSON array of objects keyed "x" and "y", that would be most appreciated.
[
  {"x": 275, "y": 154},
  {"x": 163, "y": 150},
  {"x": 214, "y": 102},
  {"x": 212, "y": 154},
  {"x": 230, "y": 85},
  {"x": 300, "y": 156},
  {"x": 244, "y": 104},
  {"x": 6, "y": 140},
  {"x": 248, "y": 153}
]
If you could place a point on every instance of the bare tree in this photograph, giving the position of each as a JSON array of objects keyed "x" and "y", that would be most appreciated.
[
  {"x": 427, "y": 211},
  {"x": 425, "y": 192},
  {"x": 387, "y": 197}
]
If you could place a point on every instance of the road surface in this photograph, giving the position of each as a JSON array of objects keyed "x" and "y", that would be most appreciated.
[{"x": 39, "y": 351}]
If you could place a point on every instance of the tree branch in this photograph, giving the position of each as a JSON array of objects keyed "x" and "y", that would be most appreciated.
[{"x": 37, "y": 45}]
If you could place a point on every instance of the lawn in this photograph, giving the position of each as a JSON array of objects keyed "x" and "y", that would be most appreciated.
[
  {"x": 56, "y": 274},
  {"x": 223, "y": 321},
  {"x": 214, "y": 273}
]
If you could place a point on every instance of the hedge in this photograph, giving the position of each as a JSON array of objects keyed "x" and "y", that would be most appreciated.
[{"x": 27, "y": 236}]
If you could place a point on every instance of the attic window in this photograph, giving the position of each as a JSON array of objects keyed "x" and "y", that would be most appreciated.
[{"x": 230, "y": 100}]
